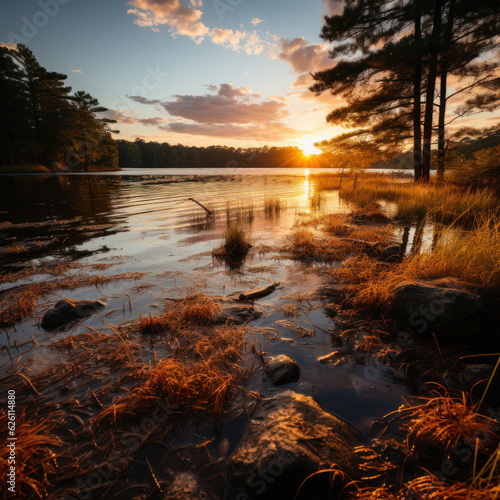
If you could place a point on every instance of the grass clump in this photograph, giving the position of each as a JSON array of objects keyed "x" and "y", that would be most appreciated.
[
  {"x": 35, "y": 454},
  {"x": 439, "y": 424},
  {"x": 195, "y": 310},
  {"x": 235, "y": 246},
  {"x": 304, "y": 245}
]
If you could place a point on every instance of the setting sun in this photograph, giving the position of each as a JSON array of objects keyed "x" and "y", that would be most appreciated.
[{"x": 308, "y": 148}]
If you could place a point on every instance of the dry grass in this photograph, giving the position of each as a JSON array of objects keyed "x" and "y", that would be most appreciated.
[
  {"x": 199, "y": 379},
  {"x": 443, "y": 203},
  {"x": 371, "y": 211},
  {"x": 440, "y": 423},
  {"x": 304, "y": 245},
  {"x": 20, "y": 302},
  {"x": 195, "y": 310},
  {"x": 432, "y": 488},
  {"x": 35, "y": 454},
  {"x": 235, "y": 246},
  {"x": 374, "y": 494},
  {"x": 472, "y": 256}
]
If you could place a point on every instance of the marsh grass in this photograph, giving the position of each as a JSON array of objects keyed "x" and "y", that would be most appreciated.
[
  {"x": 36, "y": 448},
  {"x": 469, "y": 255},
  {"x": 273, "y": 207},
  {"x": 433, "y": 488},
  {"x": 305, "y": 245},
  {"x": 20, "y": 302},
  {"x": 235, "y": 245},
  {"x": 441, "y": 422},
  {"x": 443, "y": 203},
  {"x": 194, "y": 310}
]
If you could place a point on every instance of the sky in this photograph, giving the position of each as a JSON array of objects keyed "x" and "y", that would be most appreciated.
[{"x": 193, "y": 72}]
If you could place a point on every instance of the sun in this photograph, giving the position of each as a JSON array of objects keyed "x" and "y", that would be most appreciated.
[{"x": 308, "y": 148}]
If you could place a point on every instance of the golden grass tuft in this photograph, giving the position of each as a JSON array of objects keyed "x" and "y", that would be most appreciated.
[
  {"x": 442, "y": 422},
  {"x": 374, "y": 494},
  {"x": 432, "y": 488},
  {"x": 235, "y": 246},
  {"x": 35, "y": 454},
  {"x": 199, "y": 379},
  {"x": 304, "y": 245},
  {"x": 195, "y": 310}
]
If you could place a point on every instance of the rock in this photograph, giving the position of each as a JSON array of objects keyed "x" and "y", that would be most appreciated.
[
  {"x": 451, "y": 312},
  {"x": 184, "y": 487},
  {"x": 289, "y": 437},
  {"x": 391, "y": 254},
  {"x": 237, "y": 312},
  {"x": 282, "y": 370},
  {"x": 67, "y": 310}
]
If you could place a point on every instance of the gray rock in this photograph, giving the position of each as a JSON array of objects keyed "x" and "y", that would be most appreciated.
[
  {"x": 289, "y": 437},
  {"x": 282, "y": 370},
  {"x": 67, "y": 310},
  {"x": 451, "y": 312},
  {"x": 237, "y": 312},
  {"x": 184, "y": 487}
]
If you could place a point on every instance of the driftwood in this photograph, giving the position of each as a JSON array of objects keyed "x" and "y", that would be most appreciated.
[
  {"x": 259, "y": 292},
  {"x": 198, "y": 203}
]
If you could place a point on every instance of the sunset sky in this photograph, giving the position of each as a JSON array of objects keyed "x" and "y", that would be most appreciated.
[{"x": 232, "y": 72}]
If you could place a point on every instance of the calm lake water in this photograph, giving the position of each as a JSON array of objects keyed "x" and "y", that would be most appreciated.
[{"x": 143, "y": 221}]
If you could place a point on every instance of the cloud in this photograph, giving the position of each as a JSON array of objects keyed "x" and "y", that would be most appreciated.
[
  {"x": 304, "y": 57},
  {"x": 183, "y": 19},
  {"x": 222, "y": 109},
  {"x": 333, "y": 7},
  {"x": 256, "y": 21},
  {"x": 227, "y": 37},
  {"x": 225, "y": 112},
  {"x": 304, "y": 81},
  {"x": 130, "y": 118},
  {"x": 75, "y": 70},
  {"x": 260, "y": 132},
  {"x": 9, "y": 45}
]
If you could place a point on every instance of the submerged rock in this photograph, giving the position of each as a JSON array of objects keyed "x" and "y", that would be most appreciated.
[
  {"x": 67, "y": 310},
  {"x": 436, "y": 307},
  {"x": 282, "y": 370},
  {"x": 289, "y": 437},
  {"x": 237, "y": 312}
]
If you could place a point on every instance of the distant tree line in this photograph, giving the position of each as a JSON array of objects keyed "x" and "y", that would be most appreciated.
[
  {"x": 42, "y": 122},
  {"x": 141, "y": 154},
  {"x": 398, "y": 63}
]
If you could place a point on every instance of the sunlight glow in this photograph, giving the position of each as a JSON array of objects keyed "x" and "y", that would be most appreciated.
[{"x": 308, "y": 148}]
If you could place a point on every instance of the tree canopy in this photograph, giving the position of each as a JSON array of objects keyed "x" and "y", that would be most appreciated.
[
  {"x": 43, "y": 123},
  {"x": 389, "y": 57}
]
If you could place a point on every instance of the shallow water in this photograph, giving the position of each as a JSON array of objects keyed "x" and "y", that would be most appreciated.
[{"x": 142, "y": 223}]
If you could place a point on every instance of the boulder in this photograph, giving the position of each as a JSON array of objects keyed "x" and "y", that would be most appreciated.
[
  {"x": 289, "y": 437},
  {"x": 184, "y": 487},
  {"x": 67, "y": 310},
  {"x": 282, "y": 370},
  {"x": 453, "y": 313}
]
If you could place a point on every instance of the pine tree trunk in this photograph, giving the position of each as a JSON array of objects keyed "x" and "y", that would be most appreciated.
[
  {"x": 417, "y": 131},
  {"x": 431, "y": 87},
  {"x": 443, "y": 98}
]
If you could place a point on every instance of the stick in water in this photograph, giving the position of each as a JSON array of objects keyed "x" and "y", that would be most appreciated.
[{"x": 198, "y": 203}]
